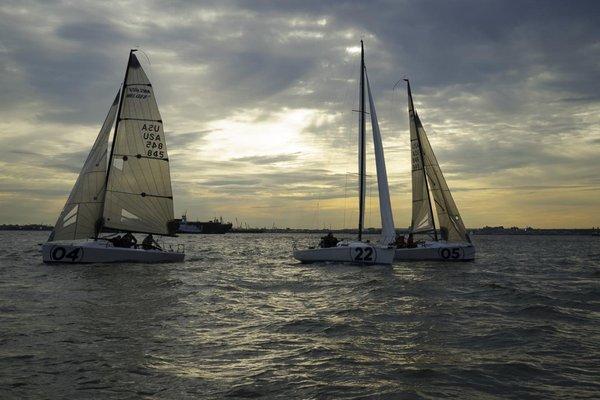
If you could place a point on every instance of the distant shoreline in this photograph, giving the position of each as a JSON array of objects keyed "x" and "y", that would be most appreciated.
[
  {"x": 475, "y": 231},
  {"x": 26, "y": 227}
]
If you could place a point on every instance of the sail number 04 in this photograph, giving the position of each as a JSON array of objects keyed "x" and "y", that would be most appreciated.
[
  {"x": 59, "y": 253},
  {"x": 363, "y": 254}
]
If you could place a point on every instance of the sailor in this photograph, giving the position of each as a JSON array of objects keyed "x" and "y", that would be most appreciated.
[
  {"x": 410, "y": 243},
  {"x": 149, "y": 243},
  {"x": 128, "y": 240},
  {"x": 444, "y": 233},
  {"x": 328, "y": 241},
  {"x": 400, "y": 242},
  {"x": 116, "y": 241}
]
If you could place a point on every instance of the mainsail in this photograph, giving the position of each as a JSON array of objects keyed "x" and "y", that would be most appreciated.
[
  {"x": 84, "y": 205},
  {"x": 138, "y": 195},
  {"x": 422, "y": 215},
  {"x": 452, "y": 228},
  {"x": 388, "y": 233}
]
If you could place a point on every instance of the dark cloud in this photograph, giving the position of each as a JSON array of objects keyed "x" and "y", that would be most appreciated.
[
  {"x": 70, "y": 162},
  {"x": 181, "y": 140}
]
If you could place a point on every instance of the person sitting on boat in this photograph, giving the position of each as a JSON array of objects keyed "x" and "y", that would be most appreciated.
[
  {"x": 444, "y": 233},
  {"x": 149, "y": 243},
  {"x": 128, "y": 240},
  {"x": 400, "y": 243},
  {"x": 410, "y": 243},
  {"x": 116, "y": 241},
  {"x": 328, "y": 241}
]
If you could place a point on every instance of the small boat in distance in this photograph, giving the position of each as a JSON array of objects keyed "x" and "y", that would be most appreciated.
[
  {"x": 359, "y": 251},
  {"x": 129, "y": 193},
  {"x": 453, "y": 242}
]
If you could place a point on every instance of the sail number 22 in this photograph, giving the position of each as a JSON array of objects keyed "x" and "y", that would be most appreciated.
[{"x": 363, "y": 254}]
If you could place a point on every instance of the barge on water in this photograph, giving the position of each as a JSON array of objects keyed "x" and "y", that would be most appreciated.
[{"x": 216, "y": 226}]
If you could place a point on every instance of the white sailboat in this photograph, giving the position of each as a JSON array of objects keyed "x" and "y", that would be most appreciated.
[
  {"x": 359, "y": 251},
  {"x": 453, "y": 242},
  {"x": 131, "y": 192}
]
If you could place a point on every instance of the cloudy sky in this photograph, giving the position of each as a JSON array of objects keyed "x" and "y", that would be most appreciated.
[{"x": 257, "y": 101}]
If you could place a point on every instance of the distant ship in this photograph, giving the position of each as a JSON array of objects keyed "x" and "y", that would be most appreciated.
[{"x": 216, "y": 226}]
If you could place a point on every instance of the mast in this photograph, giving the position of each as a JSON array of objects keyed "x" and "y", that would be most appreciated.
[
  {"x": 100, "y": 222},
  {"x": 361, "y": 145},
  {"x": 412, "y": 108}
]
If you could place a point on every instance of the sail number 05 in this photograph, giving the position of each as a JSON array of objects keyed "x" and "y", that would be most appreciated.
[
  {"x": 59, "y": 253},
  {"x": 453, "y": 253},
  {"x": 363, "y": 254}
]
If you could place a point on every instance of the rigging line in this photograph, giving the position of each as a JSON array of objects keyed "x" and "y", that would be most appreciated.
[
  {"x": 84, "y": 202},
  {"x": 146, "y": 55},
  {"x": 344, "y": 115},
  {"x": 114, "y": 138},
  {"x": 334, "y": 98},
  {"x": 370, "y": 200},
  {"x": 143, "y": 194},
  {"x": 141, "y": 119},
  {"x": 345, "y": 198},
  {"x": 141, "y": 156}
]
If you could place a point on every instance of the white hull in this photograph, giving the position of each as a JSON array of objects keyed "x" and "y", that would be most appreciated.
[
  {"x": 103, "y": 252},
  {"x": 437, "y": 251},
  {"x": 353, "y": 252}
]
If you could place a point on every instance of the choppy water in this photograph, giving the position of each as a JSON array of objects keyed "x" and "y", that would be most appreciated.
[{"x": 241, "y": 319}]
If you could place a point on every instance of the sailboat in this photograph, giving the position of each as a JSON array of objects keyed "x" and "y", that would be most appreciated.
[
  {"x": 126, "y": 190},
  {"x": 452, "y": 242},
  {"x": 359, "y": 251}
]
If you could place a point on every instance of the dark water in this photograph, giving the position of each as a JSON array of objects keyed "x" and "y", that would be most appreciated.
[{"x": 241, "y": 319}]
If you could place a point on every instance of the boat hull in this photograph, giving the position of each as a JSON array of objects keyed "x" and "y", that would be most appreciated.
[
  {"x": 435, "y": 251},
  {"x": 355, "y": 253},
  {"x": 103, "y": 252}
]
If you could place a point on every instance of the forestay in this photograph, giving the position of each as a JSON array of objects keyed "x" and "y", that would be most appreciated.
[
  {"x": 84, "y": 206},
  {"x": 139, "y": 196},
  {"x": 388, "y": 233}
]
